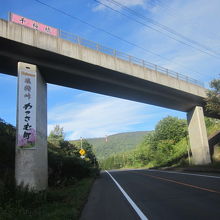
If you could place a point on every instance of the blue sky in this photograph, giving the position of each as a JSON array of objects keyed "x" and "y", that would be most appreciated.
[{"x": 84, "y": 114}]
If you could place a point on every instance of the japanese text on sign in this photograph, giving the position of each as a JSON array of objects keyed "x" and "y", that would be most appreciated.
[
  {"x": 33, "y": 24},
  {"x": 26, "y": 111}
]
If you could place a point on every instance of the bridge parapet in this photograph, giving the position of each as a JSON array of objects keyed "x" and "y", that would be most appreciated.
[
  {"x": 92, "y": 45},
  {"x": 97, "y": 64},
  {"x": 121, "y": 55}
]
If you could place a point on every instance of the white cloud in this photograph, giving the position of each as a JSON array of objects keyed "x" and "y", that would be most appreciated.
[
  {"x": 127, "y": 3},
  {"x": 100, "y": 116},
  {"x": 196, "y": 20}
]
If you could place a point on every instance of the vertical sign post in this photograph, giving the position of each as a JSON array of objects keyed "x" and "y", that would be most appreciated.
[{"x": 31, "y": 141}]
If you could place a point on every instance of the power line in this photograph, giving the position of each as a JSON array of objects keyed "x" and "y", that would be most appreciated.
[
  {"x": 163, "y": 6},
  {"x": 111, "y": 34},
  {"x": 99, "y": 29},
  {"x": 169, "y": 11},
  {"x": 167, "y": 29}
]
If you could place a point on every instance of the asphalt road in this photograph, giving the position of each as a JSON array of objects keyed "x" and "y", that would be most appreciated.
[{"x": 156, "y": 194}]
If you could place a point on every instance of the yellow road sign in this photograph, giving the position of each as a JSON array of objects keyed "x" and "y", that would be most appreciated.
[{"x": 82, "y": 152}]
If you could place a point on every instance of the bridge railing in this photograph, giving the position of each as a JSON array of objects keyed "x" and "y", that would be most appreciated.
[{"x": 95, "y": 46}]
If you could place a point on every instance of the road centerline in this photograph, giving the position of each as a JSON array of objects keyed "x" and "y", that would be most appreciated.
[
  {"x": 189, "y": 174},
  {"x": 131, "y": 202},
  {"x": 177, "y": 182}
]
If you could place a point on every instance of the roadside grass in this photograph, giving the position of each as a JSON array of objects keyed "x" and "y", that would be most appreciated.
[
  {"x": 56, "y": 203},
  {"x": 70, "y": 179}
]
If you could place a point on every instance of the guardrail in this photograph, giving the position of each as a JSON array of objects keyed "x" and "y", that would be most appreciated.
[{"x": 95, "y": 46}]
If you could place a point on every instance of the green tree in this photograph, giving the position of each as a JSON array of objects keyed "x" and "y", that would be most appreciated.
[
  {"x": 170, "y": 128},
  {"x": 56, "y": 136},
  {"x": 7, "y": 147},
  {"x": 89, "y": 156},
  {"x": 159, "y": 145},
  {"x": 68, "y": 148},
  {"x": 213, "y": 98}
]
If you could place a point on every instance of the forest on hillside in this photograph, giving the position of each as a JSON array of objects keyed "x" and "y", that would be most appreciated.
[
  {"x": 117, "y": 143},
  {"x": 167, "y": 145}
]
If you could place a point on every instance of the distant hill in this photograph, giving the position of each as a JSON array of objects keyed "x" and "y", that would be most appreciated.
[{"x": 116, "y": 143}]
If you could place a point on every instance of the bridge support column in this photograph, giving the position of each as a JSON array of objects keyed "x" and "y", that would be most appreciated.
[
  {"x": 198, "y": 136},
  {"x": 31, "y": 164}
]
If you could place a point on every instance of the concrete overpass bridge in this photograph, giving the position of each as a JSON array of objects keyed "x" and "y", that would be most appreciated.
[{"x": 38, "y": 58}]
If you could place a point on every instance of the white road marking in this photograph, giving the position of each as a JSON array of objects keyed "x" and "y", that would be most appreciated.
[
  {"x": 190, "y": 174},
  {"x": 134, "y": 206}
]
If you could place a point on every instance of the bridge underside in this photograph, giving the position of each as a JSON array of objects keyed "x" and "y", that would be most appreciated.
[
  {"x": 53, "y": 67},
  {"x": 65, "y": 71}
]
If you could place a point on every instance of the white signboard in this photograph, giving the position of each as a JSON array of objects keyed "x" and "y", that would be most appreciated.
[{"x": 26, "y": 109}]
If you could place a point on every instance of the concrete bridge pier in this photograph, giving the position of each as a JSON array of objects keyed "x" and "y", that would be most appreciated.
[
  {"x": 31, "y": 164},
  {"x": 198, "y": 136}
]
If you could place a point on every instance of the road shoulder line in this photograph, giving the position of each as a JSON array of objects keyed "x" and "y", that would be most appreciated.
[{"x": 131, "y": 202}]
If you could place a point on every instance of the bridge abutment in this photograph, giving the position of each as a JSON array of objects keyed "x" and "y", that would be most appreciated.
[
  {"x": 31, "y": 163},
  {"x": 198, "y": 136}
]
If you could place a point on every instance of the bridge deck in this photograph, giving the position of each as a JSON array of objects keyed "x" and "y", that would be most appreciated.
[{"x": 69, "y": 64}]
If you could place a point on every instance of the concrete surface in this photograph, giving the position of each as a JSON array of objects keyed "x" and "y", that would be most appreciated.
[
  {"x": 31, "y": 165},
  {"x": 64, "y": 63},
  {"x": 198, "y": 136}
]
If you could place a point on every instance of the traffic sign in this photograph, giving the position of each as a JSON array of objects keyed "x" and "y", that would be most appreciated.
[{"x": 82, "y": 152}]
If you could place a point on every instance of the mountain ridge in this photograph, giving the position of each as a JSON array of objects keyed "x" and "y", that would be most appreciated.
[{"x": 116, "y": 143}]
